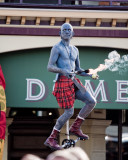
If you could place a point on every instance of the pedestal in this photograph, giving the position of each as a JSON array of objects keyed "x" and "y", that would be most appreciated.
[{"x": 1, "y": 148}]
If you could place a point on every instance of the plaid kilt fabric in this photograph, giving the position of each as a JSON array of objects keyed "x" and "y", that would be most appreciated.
[{"x": 64, "y": 91}]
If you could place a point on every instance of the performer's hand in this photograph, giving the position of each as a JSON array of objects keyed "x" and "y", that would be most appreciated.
[
  {"x": 81, "y": 71},
  {"x": 95, "y": 76}
]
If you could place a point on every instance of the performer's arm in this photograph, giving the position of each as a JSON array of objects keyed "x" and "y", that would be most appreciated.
[
  {"x": 79, "y": 70},
  {"x": 52, "y": 62}
]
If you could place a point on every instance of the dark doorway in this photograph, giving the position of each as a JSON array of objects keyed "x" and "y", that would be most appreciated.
[{"x": 28, "y": 131}]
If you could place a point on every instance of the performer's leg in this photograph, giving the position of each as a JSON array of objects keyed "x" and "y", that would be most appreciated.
[
  {"x": 90, "y": 103},
  {"x": 68, "y": 113},
  {"x": 51, "y": 140}
]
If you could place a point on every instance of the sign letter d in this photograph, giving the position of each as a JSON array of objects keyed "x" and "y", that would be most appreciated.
[{"x": 30, "y": 84}]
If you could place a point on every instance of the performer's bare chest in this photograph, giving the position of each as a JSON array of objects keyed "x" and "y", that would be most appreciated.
[{"x": 66, "y": 54}]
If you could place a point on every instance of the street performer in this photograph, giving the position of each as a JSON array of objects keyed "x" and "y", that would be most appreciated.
[{"x": 64, "y": 60}]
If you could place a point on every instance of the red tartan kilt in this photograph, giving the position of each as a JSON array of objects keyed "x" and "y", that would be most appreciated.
[{"x": 64, "y": 92}]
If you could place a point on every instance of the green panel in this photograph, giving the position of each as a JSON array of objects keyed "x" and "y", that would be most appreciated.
[
  {"x": 91, "y": 58},
  {"x": 21, "y": 67}
]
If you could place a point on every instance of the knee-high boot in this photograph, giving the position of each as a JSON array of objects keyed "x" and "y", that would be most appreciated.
[
  {"x": 51, "y": 141},
  {"x": 75, "y": 128}
]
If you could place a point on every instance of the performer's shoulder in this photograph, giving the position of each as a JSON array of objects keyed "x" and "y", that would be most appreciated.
[
  {"x": 74, "y": 47},
  {"x": 57, "y": 45}
]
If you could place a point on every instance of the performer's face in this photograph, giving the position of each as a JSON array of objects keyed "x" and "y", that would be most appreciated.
[{"x": 66, "y": 31}]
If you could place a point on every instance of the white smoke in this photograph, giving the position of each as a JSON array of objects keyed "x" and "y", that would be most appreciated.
[
  {"x": 114, "y": 63},
  {"x": 117, "y": 63}
]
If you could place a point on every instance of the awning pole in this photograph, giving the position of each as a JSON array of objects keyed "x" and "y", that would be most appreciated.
[{"x": 120, "y": 135}]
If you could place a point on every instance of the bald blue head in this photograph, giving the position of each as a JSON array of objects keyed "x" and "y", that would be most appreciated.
[
  {"x": 66, "y": 25},
  {"x": 66, "y": 31}
]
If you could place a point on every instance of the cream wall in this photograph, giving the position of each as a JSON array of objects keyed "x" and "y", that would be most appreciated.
[
  {"x": 61, "y": 13},
  {"x": 13, "y": 43}
]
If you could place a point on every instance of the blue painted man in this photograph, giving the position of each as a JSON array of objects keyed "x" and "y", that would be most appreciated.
[{"x": 64, "y": 60}]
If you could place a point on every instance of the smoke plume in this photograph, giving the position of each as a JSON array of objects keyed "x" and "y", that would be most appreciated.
[{"x": 114, "y": 63}]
